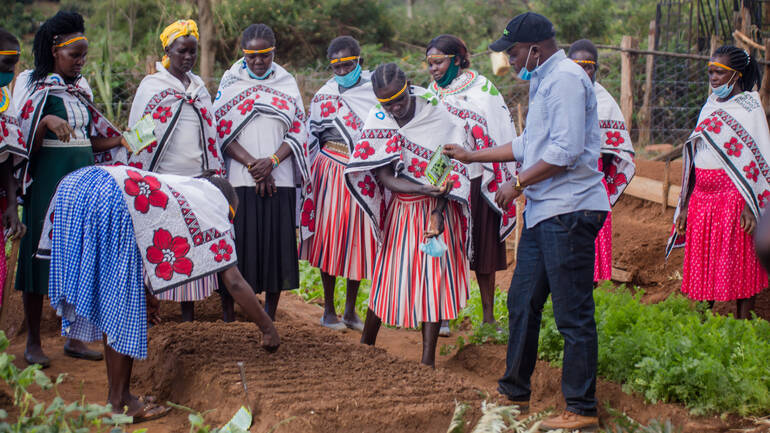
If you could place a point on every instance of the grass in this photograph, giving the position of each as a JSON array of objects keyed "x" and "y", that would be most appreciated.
[{"x": 311, "y": 290}]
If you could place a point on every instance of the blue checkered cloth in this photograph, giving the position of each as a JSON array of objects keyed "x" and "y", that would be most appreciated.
[{"x": 96, "y": 269}]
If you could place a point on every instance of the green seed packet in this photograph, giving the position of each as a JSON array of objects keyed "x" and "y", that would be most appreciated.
[
  {"x": 141, "y": 135},
  {"x": 438, "y": 167}
]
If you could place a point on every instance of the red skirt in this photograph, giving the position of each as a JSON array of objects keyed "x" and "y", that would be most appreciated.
[
  {"x": 603, "y": 258},
  {"x": 410, "y": 286},
  {"x": 719, "y": 259},
  {"x": 343, "y": 244}
]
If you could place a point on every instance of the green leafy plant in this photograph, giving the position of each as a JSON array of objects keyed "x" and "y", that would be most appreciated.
[{"x": 311, "y": 289}]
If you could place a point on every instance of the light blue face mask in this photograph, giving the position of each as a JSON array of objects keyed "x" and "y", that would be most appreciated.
[
  {"x": 435, "y": 247},
  {"x": 350, "y": 79},
  {"x": 724, "y": 90},
  {"x": 266, "y": 74},
  {"x": 524, "y": 73},
  {"x": 5, "y": 78}
]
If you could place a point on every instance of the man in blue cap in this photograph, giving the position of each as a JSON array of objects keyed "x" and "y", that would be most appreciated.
[{"x": 566, "y": 207}]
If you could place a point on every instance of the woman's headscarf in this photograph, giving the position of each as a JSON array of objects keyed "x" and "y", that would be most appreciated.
[{"x": 175, "y": 31}]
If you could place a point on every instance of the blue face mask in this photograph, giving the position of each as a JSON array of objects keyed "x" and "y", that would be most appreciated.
[
  {"x": 254, "y": 76},
  {"x": 524, "y": 73},
  {"x": 435, "y": 247},
  {"x": 350, "y": 79},
  {"x": 724, "y": 90},
  {"x": 5, "y": 78}
]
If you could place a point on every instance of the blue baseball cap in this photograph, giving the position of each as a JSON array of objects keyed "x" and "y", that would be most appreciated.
[{"x": 526, "y": 27}]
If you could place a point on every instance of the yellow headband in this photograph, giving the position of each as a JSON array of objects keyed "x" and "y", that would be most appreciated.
[
  {"x": 396, "y": 95},
  {"x": 585, "y": 62},
  {"x": 175, "y": 31},
  {"x": 9, "y": 53},
  {"x": 232, "y": 213},
  {"x": 725, "y": 67},
  {"x": 266, "y": 50},
  {"x": 343, "y": 59},
  {"x": 71, "y": 41}
]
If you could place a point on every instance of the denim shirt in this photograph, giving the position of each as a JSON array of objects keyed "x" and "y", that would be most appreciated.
[{"x": 562, "y": 129}]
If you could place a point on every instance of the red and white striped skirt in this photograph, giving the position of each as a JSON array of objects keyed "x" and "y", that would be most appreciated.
[
  {"x": 719, "y": 259},
  {"x": 196, "y": 290},
  {"x": 409, "y": 286},
  {"x": 344, "y": 243}
]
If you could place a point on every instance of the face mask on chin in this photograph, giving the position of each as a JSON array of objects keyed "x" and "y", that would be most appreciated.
[
  {"x": 524, "y": 73},
  {"x": 725, "y": 89}
]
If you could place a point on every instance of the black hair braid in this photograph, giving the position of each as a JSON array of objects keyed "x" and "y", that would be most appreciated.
[
  {"x": 742, "y": 62},
  {"x": 258, "y": 31},
  {"x": 386, "y": 74},
  {"x": 8, "y": 37},
  {"x": 450, "y": 44},
  {"x": 63, "y": 23},
  {"x": 341, "y": 43},
  {"x": 584, "y": 45}
]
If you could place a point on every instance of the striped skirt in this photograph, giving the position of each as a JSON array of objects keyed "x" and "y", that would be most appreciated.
[
  {"x": 343, "y": 244},
  {"x": 719, "y": 259},
  {"x": 410, "y": 286},
  {"x": 196, "y": 290}
]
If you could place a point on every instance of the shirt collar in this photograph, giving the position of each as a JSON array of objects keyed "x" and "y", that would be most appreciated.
[{"x": 549, "y": 64}]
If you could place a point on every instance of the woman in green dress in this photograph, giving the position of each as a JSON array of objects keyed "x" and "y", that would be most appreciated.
[{"x": 63, "y": 131}]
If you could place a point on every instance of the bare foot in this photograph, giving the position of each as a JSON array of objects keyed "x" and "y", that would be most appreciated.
[{"x": 34, "y": 354}]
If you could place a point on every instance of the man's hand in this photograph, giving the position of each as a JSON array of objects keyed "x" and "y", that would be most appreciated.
[
  {"x": 457, "y": 152},
  {"x": 435, "y": 224},
  {"x": 506, "y": 194}
]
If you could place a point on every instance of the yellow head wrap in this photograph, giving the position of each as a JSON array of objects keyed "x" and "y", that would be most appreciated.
[{"x": 177, "y": 30}]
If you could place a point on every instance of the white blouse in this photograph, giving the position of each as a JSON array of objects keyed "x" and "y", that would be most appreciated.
[
  {"x": 183, "y": 155},
  {"x": 262, "y": 137}
]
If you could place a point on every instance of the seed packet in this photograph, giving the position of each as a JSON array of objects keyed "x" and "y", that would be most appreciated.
[
  {"x": 141, "y": 135},
  {"x": 438, "y": 167}
]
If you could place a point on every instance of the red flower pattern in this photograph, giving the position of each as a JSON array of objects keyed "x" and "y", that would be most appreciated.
[
  {"x": 296, "y": 127},
  {"x": 246, "y": 106},
  {"x": 363, "y": 150},
  {"x": 327, "y": 108},
  {"x": 138, "y": 165},
  {"x": 350, "y": 121},
  {"x": 27, "y": 109},
  {"x": 418, "y": 168},
  {"x": 147, "y": 191},
  {"x": 213, "y": 147},
  {"x": 481, "y": 139},
  {"x": 308, "y": 214},
  {"x": 224, "y": 127},
  {"x": 733, "y": 147},
  {"x": 205, "y": 115},
  {"x": 494, "y": 185},
  {"x": 614, "y": 179},
  {"x": 455, "y": 179},
  {"x": 5, "y": 129},
  {"x": 510, "y": 214},
  {"x": 367, "y": 186},
  {"x": 162, "y": 114},
  {"x": 714, "y": 125},
  {"x": 221, "y": 250},
  {"x": 393, "y": 145},
  {"x": 614, "y": 138},
  {"x": 280, "y": 103},
  {"x": 751, "y": 170},
  {"x": 763, "y": 198},
  {"x": 168, "y": 253}
]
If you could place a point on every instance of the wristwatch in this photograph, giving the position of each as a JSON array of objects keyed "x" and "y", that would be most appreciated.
[{"x": 518, "y": 186}]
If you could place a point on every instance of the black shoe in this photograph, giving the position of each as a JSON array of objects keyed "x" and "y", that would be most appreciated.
[
  {"x": 42, "y": 360},
  {"x": 88, "y": 354}
]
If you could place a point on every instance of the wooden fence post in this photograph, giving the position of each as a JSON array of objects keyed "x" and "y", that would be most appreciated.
[
  {"x": 646, "y": 114},
  {"x": 764, "y": 93},
  {"x": 627, "y": 79},
  {"x": 208, "y": 32}
]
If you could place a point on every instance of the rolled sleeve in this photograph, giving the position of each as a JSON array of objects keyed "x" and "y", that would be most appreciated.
[
  {"x": 517, "y": 145},
  {"x": 566, "y": 122}
]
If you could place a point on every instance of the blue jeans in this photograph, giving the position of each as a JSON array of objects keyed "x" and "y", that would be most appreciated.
[{"x": 556, "y": 256}]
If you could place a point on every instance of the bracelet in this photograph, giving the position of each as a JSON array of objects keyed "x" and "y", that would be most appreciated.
[
  {"x": 250, "y": 165},
  {"x": 518, "y": 187},
  {"x": 275, "y": 160}
]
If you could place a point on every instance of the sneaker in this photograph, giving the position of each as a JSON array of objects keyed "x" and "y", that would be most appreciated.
[{"x": 571, "y": 421}]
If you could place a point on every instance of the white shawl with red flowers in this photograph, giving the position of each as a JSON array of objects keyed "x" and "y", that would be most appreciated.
[
  {"x": 474, "y": 99},
  {"x": 162, "y": 95},
  {"x": 29, "y": 101},
  {"x": 181, "y": 225},
  {"x": 241, "y": 98},
  {"x": 408, "y": 148},
  {"x": 344, "y": 111},
  {"x": 12, "y": 143},
  {"x": 616, "y": 141},
  {"x": 737, "y": 134}
]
